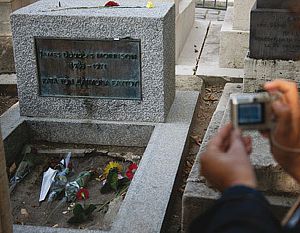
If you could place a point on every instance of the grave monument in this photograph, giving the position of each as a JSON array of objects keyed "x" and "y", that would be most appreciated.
[
  {"x": 234, "y": 37},
  {"x": 85, "y": 57},
  {"x": 274, "y": 44},
  {"x": 90, "y": 74}
]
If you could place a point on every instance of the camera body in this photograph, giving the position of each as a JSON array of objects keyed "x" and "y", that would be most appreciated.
[{"x": 252, "y": 111}]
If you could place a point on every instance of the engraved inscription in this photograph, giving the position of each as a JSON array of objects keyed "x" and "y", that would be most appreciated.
[
  {"x": 89, "y": 68},
  {"x": 286, "y": 36},
  {"x": 274, "y": 35}
]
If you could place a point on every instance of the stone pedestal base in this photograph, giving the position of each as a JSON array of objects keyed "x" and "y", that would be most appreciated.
[
  {"x": 234, "y": 43},
  {"x": 184, "y": 23},
  {"x": 258, "y": 71}
]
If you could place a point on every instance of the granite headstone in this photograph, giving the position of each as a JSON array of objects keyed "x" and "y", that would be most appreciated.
[
  {"x": 80, "y": 60},
  {"x": 274, "y": 31}
]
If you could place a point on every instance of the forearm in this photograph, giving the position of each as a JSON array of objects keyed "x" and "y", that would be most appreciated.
[{"x": 241, "y": 210}]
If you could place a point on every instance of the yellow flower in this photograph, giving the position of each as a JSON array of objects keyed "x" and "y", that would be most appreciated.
[
  {"x": 112, "y": 165},
  {"x": 150, "y": 4}
]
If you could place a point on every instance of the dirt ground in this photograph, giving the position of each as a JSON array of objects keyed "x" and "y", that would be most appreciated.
[
  {"x": 27, "y": 210},
  {"x": 206, "y": 107},
  {"x": 6, "y": 102}
]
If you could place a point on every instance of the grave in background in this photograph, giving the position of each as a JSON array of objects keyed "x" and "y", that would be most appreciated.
[
  {"x": 234, "y": 37},
  {"x": 274, "y": 44},
  {"x": 184, "y": 21},
  {"x": 6, "y": 48},
  {"x": 73, "y": 88}
]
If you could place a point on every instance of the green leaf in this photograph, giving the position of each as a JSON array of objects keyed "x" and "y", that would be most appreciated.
[
  {"x": 112, "y": 179},
  {"x": 81, "y": 214},
  {"x": 123, "y": 184},
  {"x": 78, "y": 210},
  {"x": 90, "y": 209},
  {"x": 106, "y": 189},
  {"x": 74, "y": 220}
]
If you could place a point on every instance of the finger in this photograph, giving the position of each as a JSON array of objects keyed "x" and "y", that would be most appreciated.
[
  {"x": 248, "y": 144},
  {"x": 237, "y": 145},
  {"x": 265, "y": 133},
  {"x": 283, "y": 117},
  {"x": 289, "y": 89},
  {"x": 220, "y": 138}
]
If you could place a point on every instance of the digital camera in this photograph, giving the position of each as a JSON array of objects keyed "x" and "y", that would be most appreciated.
[{"x": 252, "y": 111}]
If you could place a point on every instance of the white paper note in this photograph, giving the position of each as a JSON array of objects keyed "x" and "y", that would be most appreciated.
[{"x": 48, "y": 179}]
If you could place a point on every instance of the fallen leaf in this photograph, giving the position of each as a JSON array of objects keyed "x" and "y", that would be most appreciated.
[
  {"x": 188, "y": 163},
  {"x": 210, "y": 98},
  {"x": 181, "y": 190},
  {"x": 197, "y": 139},
  {"x": 24, "y": 212},
  {"x": 12, "y": 169}
]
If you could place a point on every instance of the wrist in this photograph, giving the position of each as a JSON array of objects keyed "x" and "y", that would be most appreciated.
[{"x": 250, "y": 183}]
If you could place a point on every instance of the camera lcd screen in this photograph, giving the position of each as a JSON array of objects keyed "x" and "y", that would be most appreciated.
[{"x": 251, "y": 113}]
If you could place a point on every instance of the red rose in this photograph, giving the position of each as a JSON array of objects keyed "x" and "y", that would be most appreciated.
[
  {"x": 111, "y": 3},
  {"x": 131, "y": 170},
  {"x": 82, "y": 194}
]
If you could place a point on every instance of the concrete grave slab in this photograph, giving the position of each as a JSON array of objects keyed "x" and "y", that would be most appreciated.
[
  {"x": 208, "y": 67},
  {"x": 193, "y": 45},
  {"x": 150, "y": 191}
]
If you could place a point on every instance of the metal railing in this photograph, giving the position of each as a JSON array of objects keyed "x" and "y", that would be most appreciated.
[{"x": 212, "y": 4}]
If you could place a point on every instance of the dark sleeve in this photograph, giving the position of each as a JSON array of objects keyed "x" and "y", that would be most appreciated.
[{"x": 239, "y": 210}]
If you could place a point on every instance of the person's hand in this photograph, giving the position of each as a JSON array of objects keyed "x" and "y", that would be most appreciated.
[
  {"x": 285, "y": 137},
  {"x": 226, "y": 162},
  {"x": 294, "y": 8}
]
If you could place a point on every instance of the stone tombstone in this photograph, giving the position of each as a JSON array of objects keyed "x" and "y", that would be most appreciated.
[
  {"x": 274, "y": 33},
  {"x": 82, "y": 61}
]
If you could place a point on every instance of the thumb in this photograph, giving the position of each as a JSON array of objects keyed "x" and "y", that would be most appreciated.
[
  {"x": 283, "y": 116},
  {"x": 236, "y": 142}
]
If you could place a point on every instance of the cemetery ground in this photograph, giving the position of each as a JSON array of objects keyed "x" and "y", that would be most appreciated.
[{"x": 26, "y": 208}]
